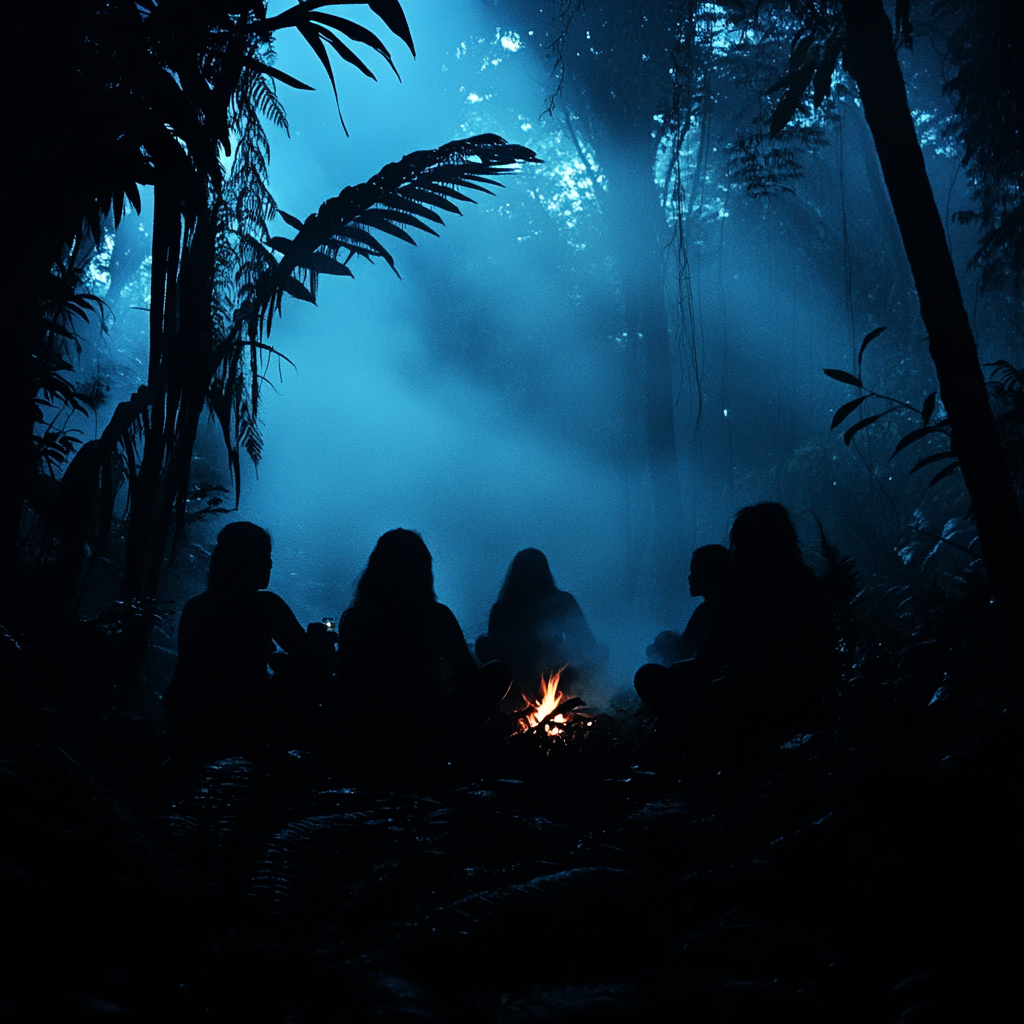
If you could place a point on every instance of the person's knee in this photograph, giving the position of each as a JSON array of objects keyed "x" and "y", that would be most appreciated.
[
  {"x": 485, "y": 648},
  {"x": 650, "y": 683}
]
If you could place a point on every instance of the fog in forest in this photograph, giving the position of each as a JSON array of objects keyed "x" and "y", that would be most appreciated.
[{"x": 488, "y": 399}]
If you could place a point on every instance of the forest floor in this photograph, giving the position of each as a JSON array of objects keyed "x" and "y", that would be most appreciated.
[{"x": 865, "y": 875}]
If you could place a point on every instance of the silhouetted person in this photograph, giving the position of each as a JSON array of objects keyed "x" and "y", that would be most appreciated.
[
  {"x": 536, "y": 627},
  {"x": 220, "y": 695},
  {"x": 710, "y": 577},
  {"x": 410, "y": 689},
  {"x": 768, "y": 660}
]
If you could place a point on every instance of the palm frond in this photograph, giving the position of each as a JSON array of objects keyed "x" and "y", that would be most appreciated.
[
  {"x": 319, "y": 28},
  {"x": 406, "y": 194}
]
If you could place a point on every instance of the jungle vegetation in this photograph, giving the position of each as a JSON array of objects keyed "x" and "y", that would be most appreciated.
[
  {"x": 169, "y": 98},
  {"x": 865, "y": 871}
]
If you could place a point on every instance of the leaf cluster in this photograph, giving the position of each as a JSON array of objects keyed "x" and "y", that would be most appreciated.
[
  {"x": 404, "y": 195},
  {"x": 987, "y": 86},
  {"x": 929, "y": 426},
  {"x": 814, "y": 55}
]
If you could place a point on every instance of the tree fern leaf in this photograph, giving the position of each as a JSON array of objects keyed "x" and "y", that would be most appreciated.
[
  {"x": 345, "y": 53},
  {"x": 393, "y": 229},
  {"x": 425, "y": 195},
  {"x": 320, "y": 263},
  {"x": 388, "y": 221},
  {"x": 391, "y": 13},
  {"x": 265, "y": 69},
  {"x": 396, "y": 202},
  {"x": 357, "y": 33},
  {"x": 292, "y": 222},
  {"x": 353, "y": 234},
  {"x": 389, "y": 202}
]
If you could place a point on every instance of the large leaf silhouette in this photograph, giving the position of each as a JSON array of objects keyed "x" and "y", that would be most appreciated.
[{"x": 401, "y": 197}]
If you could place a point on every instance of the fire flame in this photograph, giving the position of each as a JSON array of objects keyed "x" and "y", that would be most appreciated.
[{"x": 550, "y": 697}]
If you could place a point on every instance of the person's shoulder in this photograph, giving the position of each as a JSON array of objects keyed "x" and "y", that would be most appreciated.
[
  {"x": 266, "y": 602},
  {"x": 811, "y": 583},
  {"x": 562, "y": 601},
  {"x": 443, "y": 613},
  {"x": 199, "y": 605},
  {"x": 444, "y": 619},
  {"x": 702, "y": 612}
]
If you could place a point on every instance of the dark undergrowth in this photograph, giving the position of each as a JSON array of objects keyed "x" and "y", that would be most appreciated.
[{"x": 864, "y": 873}]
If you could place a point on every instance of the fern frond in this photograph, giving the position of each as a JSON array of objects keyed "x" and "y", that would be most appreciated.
[
  {"x": 264, "y": 98},
  {"x": 406, "y": 194}
]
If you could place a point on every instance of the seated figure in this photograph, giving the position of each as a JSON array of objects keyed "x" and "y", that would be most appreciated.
[
  {"x": 710, "y": 576},
  {"x": 537, "y": 628},
  {"x": 408, "y": 685},
  {"x": 228, "y": 636},
  {"x": 769, "y": 657}
]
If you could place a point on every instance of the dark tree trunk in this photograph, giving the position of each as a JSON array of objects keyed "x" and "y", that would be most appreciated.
[
  {"x": 141, "y": 545},
  {"x": 17, "y": 401},
  {"x": 870, "y": 58}
]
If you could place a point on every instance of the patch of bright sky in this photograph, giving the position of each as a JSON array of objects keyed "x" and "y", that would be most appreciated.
[
  {"x": 712, "y": 19},
  {"x": 931, "y": 132},
  {"x": 570, "y": 182},
  {"x": 712, "y": 200},
  {"x": 98, "y": 271},
  {"x": 572, "y": 188}
]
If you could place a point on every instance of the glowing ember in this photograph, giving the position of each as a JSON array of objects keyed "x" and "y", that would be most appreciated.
[{"x": 550, "y": 697}]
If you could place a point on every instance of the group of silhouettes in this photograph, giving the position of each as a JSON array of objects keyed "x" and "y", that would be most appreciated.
[{"x": 399, "y": 688}]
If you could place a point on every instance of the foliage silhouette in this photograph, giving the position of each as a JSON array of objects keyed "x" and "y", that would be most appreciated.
[
  {"x": 168, "y": 89},
  {"x": 927, "y": 428},
  {"x": 406, "y": 194},
  {"x": 192, "y": 89},
  {"x": 863, "y": 32}
]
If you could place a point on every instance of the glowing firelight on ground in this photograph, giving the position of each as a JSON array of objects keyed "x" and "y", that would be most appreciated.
[{"x": 550, "y": 697}]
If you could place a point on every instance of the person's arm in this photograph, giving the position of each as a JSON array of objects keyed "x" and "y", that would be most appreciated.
[
  {"x": 695, "y": 634},
  {"x": 285, "y": 629},
  {"x": 187, "y": 634},
  {"x": 498, "y": 621},
  {"x": 577, "y": 631},
  {"x": 718, "y": 649},
  {"x": 453, "y": 644}
]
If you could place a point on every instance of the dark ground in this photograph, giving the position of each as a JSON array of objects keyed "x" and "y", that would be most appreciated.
[{"x": 867, "y": 875}]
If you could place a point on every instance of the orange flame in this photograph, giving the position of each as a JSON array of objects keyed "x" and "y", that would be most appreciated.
[{"x": 550, "y": 697}]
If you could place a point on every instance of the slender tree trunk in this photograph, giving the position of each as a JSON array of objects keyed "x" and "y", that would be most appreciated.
[
  {"x": 637, "y": 230},
  {"x": 144, "y": 515},
  {"x": 870, "y": 58}
]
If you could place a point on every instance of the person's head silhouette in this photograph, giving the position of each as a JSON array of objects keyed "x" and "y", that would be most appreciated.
[
  {"x": 399, "y": 571},
  {"x": 241, "y": 560},
  {"x": 710, "y": 570},
  {"x": 763, "y": 539},
  {"x": 529, "y": 576}
]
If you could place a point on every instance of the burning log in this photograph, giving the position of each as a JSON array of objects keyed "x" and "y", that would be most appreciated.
[{"x": 553, "y": 714}]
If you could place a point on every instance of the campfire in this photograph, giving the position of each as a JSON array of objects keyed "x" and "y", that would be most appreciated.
[{"x": 553, "y": 714}]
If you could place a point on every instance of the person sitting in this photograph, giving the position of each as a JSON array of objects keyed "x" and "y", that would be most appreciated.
[
  {"x": 710, "y": 576},
  {"x": 769, "y": 657},
  {"x": 408, "y": 683},
  {"x": 537, "y": 628},
  {"x": 228, "y": 636}
]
